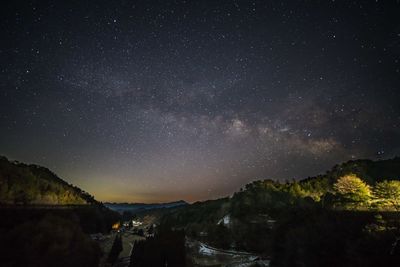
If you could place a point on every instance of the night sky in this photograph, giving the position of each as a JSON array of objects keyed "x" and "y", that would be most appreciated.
[{"x": 148, "y": 101}]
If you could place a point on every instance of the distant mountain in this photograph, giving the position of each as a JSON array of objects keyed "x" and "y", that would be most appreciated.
[
  {"x": 138, "y": 207},
  {"x": 23, "y": 184}
]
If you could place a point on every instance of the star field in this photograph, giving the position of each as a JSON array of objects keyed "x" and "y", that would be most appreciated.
[{"x": 147, "y": 101}]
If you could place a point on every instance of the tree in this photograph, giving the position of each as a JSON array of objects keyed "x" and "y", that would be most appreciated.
[
  {"x": 387, "y": 193},
  {"x": 47, "y": 241},
  {"x": 115, "y": 249},
  {"x": 352, "y": 189}
]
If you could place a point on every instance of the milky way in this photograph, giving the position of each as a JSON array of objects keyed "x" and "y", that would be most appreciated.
[{"x": 163, "y": 100}]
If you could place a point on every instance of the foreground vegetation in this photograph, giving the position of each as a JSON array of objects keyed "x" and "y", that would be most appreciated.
[
  {"x": 47, "y": 241},
  {"x": 46, "y": 221},
  {"x": 346, "y": 217}
]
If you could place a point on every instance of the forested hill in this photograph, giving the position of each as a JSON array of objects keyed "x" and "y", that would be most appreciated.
[
  {"x": 346, "y": 217},
  {"x": 367, "y": 183},
  {"x": 22, "y": 184},
  {"x": 270, "y": 196},
  {"x": 370, "y": 171}
]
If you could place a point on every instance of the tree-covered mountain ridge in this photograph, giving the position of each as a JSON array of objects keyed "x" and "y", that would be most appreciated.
[
  {"x": 321, "y": 188},
  {"x": 29, "y": 184},
  {"x": 348, "y": 216},
  {"x": 353, "y": 185},
  {"x": 358, "y": 182},
  {"x": 369, "y": 171}
]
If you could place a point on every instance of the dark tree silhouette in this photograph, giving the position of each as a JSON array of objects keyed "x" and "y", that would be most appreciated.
[{"x": 115, "y": 249}]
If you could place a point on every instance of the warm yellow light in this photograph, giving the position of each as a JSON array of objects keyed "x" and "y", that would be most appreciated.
[{"x": 116, "y": 226}]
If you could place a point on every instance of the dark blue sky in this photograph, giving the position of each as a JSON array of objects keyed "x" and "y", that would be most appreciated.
[{"x": 162, "y": 100}]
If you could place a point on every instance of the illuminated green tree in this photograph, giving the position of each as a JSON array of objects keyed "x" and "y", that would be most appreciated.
[
  {"x": 352, "y": 189},
  {"x": 387, "y": 193}
]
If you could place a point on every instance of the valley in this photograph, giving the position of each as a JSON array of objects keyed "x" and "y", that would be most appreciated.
[{"x": 266, "y": 223}]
